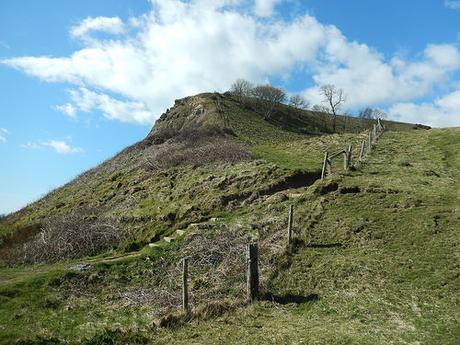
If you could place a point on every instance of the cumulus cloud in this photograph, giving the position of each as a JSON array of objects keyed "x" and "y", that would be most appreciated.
[
  {"x": 113, "y": 109},
  {"x": 369, "y": 80},
  {"x": 111, "y": 25},
  {"x": 181, "y": 48},
  {"x": 59, "y": 146},
  {"x": 264, "y": 8},
  {"x": 452, "y": 4},
  {"x": 3, "y": 134},
  {"x": 443, "y": 112},
  {"x": 67, "y": 109}
]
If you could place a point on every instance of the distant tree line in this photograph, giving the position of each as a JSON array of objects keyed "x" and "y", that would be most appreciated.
[{"x": 265, "y": 96}]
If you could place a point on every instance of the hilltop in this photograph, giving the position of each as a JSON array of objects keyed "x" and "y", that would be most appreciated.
[{"x": 373, "y": 262}]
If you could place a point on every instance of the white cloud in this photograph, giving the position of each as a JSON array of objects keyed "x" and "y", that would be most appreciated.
[
  {"x": 452, "y": 4},
  {"x": 370, "y": 80},
  {"x": 111, "y": 25},
  {"x": 443, "y": 55},
  {"x": 443, "y": 112},
  {"x": 59, "y": 146},
  {"x": 67, "y": 109},
  {"x": 183, "y": 48},
  {"x": 265, "y": 8},
  {"x": 3, "y": 134},
  {"x": 62, "y": 147},
  {"x": 113, "y": 109}
]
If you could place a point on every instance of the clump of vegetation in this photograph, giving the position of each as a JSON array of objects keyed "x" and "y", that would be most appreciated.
[
  {"x": 196, "y": 147},
  {"x": 75, "y": 235}
]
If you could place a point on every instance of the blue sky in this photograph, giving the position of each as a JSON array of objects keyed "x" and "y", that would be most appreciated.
[{"x": 81, "y": 80}]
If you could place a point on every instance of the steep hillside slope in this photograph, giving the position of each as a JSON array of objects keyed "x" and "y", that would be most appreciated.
[
  {"x": 148, "y": 190},
  {"x": 376, "y": 262},
  {"x": 379, "y": 263},
  {"x": 375, "y": 258}
]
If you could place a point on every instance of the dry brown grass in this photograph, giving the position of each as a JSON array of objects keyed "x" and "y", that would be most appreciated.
[
  {"x": 65, "y": 237},
  {"x": 194, "y": 146}
]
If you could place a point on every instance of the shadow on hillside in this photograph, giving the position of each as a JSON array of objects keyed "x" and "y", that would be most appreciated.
[{"x": 291, "y": 298}]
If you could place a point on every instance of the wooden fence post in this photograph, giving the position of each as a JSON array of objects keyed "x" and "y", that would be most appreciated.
[
  {"x": 348, "y": 153},
  {"x": 290, "y": 216},
  {"x": 185, "y": 305},
  {"x": 374, "y": 132},
  {"x": 252, "y": 278},
  {"x": 325, "y": 165},
  {"x": 370, "y": 141},
  {"x": 345, "y": 161},
  {"x": 361, "y": 151}
]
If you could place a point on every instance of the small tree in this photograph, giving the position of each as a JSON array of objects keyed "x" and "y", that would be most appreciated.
[
  {"x": 268, "y": 96},
  {"x": 372, "y": 113},
  {"x": 241, "y": 88},
  {"x": 334, "y": 98},
  {"x": 298, "y": 102}
]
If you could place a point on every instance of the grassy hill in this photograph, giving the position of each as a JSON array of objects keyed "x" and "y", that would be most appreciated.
[{"x": 375, "y": 258}]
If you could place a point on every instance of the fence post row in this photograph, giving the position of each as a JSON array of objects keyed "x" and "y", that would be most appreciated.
[
  {"x": 252, "y": 275},
  {"x": 252, "y": 272},
  {"x": 185, "y": 305},
  {"x": 290, "y": 216}
]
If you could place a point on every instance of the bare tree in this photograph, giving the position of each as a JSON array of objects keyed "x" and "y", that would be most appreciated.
[
  {"x": 372, "y": 113},
  {"x": 241, "y": 88},
  {"x": 298, "y": 102},
  {"x": 334, "y": 98},
  {"x": 379, "y": 114},
  {"x": 269, "y": 96}
]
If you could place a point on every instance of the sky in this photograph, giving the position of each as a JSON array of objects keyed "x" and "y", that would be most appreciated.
[{"x": 82, "y": 79}]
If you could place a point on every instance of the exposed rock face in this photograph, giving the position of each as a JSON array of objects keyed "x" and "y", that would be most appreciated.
[{"x": 199, "y": 110}]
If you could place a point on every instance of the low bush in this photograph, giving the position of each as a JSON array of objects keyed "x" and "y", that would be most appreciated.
[
  {"x": 66, "y": 237},
  {"x": 196, "y": 146}
]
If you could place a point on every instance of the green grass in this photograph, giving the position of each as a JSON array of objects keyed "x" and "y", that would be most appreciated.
[
  {"x": 375, "y": 266},
  {"x": 383, "y": 267}
]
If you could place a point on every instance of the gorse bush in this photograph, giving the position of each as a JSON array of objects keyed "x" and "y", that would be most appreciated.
[
  {"x": 66, "y": 237},
  {"x": 195, "y": 146}
]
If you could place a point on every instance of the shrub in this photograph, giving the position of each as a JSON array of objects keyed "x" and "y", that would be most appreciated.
[
  {"x": 196, "y": 146},
  {"x": 65, "y": 237}
]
